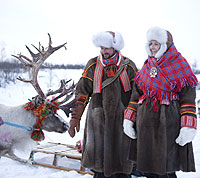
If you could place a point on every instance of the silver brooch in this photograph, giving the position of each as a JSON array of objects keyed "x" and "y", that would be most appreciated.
[{"x": 153, "y": 72}]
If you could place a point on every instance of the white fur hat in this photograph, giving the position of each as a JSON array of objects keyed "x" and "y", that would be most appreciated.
[
  {"x": 109, "y": 39},
  {"x": 160, "y": 35}
]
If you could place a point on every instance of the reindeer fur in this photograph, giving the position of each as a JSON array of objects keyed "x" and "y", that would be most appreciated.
[{"x": 13, "y": 138}]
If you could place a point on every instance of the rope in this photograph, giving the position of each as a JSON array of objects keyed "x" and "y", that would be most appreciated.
[{"x": 18, "y": 126}]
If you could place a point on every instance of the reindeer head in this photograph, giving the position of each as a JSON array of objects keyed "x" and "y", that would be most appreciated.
[
  {"x": 46, "y": 115},
  {"x": 44, "y": 109},
  {"x": 55, "y": 123}
]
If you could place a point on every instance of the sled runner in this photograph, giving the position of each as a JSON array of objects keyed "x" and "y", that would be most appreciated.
[{"x": 61, "y": 156}]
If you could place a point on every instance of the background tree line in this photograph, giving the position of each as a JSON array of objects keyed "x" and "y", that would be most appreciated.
[{"x": 10, "y": 69}]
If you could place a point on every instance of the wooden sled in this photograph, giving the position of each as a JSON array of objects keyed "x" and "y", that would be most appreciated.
[{"x": 59, "y": 151}]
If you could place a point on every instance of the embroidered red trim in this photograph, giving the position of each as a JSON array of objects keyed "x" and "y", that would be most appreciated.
[
  {"x": 189, "y": 121},
  {"x": 130, "y": 115}
]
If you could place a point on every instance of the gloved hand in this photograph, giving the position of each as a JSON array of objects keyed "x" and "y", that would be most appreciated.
[
  {"x": 186, "y": 135},
  {"x": 128, "y": 128},
  {"x": 74, "y": 123}
]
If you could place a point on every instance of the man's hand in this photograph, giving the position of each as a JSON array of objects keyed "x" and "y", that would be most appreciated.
[
  {"x": 74, "y": 123},
  {"x": 74, "y": 127}
]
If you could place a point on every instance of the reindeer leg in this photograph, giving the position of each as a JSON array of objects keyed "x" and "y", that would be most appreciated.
[
  {"x": 11, "y": 155},
  {"x": 5, "y": 148}
]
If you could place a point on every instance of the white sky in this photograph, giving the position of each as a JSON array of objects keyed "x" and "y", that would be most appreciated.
[{"x": 26, "y": 22}]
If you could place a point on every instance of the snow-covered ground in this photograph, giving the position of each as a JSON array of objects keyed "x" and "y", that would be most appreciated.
[{"x": 19, "y": 93}]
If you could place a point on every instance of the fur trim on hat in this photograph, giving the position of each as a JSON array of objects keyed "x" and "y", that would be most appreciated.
[
  {"x": 109, "y": 40},
  {"x": 160, "y": 35}
]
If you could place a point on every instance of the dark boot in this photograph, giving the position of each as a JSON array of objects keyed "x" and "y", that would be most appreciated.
[
  {"x": 98, "y": 175},
  {"x": 172, "y": 175},
  {"x": 119, "y": 175},
  {"x": 150, "y": 175},
  {"x": 137, "y": 173},
  {"x": 169, "y": 175}
]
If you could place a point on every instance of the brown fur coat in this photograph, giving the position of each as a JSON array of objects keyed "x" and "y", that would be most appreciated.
[
  {"x": 157, "y": 151},
  {"x": 105, "y": 146}
]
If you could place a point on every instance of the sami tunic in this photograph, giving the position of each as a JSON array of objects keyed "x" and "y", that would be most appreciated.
[{"x": 105, "y": 146}]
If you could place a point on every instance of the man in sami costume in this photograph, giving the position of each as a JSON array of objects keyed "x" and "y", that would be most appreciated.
[
  {"x": 107, "y": 82},
  {"x": 162, "y": 107}
]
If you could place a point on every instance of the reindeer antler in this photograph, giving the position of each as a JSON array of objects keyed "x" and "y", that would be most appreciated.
[
  {"x": 37, "y": 60},
  {"x": 68, "y": 93}
]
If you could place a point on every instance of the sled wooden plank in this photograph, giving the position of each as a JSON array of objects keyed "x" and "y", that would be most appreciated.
[
  {"x": 60, "y": 154},
  {"x": 45, "y": 145},
  {"x": 68, "y": 145},
  {"x": 51, "y": 146},
  {"x": 62, "y": 168},
  {"x": 46, "y": 165},
  {"x": 58, "y": 150}
]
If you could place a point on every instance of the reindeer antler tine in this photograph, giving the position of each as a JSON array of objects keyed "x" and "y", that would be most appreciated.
[
  {"x": 14, "y": 56},
  {"x": 40, "y": 46},
  {"x": 20, "y": 59},
  {"x": 32, "y": 54},
  {"x": 50, "y": 42},
  {"x": 26, "y": 58},
  {"x": 64, "y": 91},
  {"x": 36, "y": 49},
  {"x": 23, "y": 80},
  {"x": 68, "y": 96},
  {"x": 74, "y": 85},
  {"x": 68, "y": 80},
  {"x": 64, "y": 82},
  {"x": 66, "y": 108},
  {"x": 63, "y": 45},
  {"x": 62, "y": 85}
]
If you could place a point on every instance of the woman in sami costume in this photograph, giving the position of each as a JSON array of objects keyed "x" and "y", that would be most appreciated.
[{"x": 162, "y": 109}]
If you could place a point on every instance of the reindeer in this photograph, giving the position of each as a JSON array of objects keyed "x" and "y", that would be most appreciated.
[{"x": 38, "y": 114}]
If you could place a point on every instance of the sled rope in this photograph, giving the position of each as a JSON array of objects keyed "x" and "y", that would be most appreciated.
[{"x": 15, "y": 125}]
